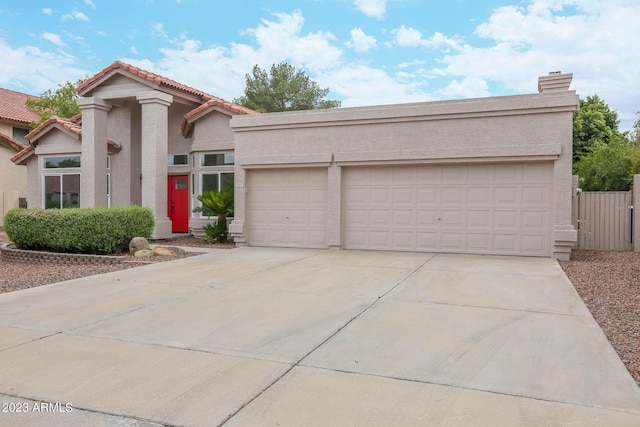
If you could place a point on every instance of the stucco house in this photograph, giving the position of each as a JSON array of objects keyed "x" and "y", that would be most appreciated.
[
  {"x": 489, "y": 175},
  {"x": 14, "y": 126},
  {"x": 140, "y": 139}
]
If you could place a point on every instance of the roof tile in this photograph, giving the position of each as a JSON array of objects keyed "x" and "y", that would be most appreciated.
[{"x": 12, "y": 107}]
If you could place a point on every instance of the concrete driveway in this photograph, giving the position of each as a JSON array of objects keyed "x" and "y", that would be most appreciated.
[{"x": 283, "y": 337}]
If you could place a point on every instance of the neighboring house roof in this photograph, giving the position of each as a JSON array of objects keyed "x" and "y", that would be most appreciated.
[
  {"x": 9, "y": 142},
  {"x": 209, "y": 106},
  {"x": 13, "y": 108}
]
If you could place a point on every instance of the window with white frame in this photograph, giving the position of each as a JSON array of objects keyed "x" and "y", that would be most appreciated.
[
  {"x": 178, "y": 159},
  {"x": 216, "y": 174},
  {"x": 61, "y": 190},
  {"x": 61, "y": 162}
]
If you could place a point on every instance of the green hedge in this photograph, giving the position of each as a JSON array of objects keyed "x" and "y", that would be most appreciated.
[{"x": 85, "y": 230}]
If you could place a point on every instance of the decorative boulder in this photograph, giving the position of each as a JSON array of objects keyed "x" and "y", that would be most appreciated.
[
  {"x": 162, "y": 251},
  {"x": 138, "y": 244},
  {"x": 143, "y": 253}
]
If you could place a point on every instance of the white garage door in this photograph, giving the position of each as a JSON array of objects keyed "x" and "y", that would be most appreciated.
[
  {"x": 474, "y": 208},
  {"x": 287, "y": 207}
]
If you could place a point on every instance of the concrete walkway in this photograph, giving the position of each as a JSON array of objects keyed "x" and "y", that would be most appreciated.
[{"x": 283, "y": 337}]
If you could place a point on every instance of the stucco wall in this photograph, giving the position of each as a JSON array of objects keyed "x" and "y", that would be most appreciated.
[
  {"x": 12, "y": 177},
  {"x": 212, "y": 133}
]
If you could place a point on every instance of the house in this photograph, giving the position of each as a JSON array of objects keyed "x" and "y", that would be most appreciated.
[
  {"x": 482, "y": 176},
  {"x": 488, "y": 176},
  {"x": 14, "y": 125},
  {"x": 140, "y": 139}
]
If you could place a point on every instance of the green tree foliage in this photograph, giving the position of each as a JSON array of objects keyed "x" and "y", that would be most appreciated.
[
  {"x": 283, "y": 89},
  {"x": 608, "y": 166},
  {"x": 61, "y": 103},
  {"x": 594, "y": 123}
]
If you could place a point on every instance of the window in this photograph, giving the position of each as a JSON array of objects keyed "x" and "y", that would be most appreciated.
[
  {"x": 19, "y": 135},
  {"x": 65, "y": 162},
  {"x": 61, "y": 191},
  {"x": 219, "y": 159},
  {"x": 178, "y": 159},
  {"x": 215, "y": 181}
]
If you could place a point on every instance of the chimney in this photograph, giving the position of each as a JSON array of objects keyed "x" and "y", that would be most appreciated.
[{"x": 554, "y": 82}]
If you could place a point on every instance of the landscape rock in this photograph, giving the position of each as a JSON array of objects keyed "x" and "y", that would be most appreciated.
[
  {"x": 138, "y": 244},
  {"x": 143, "y": 253},
  {"x": 164, "y": 251}
]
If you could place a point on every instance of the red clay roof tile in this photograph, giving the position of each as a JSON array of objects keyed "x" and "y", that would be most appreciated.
[
  {"x": 213, "y": 102},
  {"x": 12, "y": 107},
  {"x": 154, "y": 78}
]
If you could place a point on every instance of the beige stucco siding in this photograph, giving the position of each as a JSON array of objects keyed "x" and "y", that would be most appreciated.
[{"x": 12, "y": 177}]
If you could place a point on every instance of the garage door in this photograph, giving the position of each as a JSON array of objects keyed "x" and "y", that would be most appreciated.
[
  {"x": 287, "y": 207},
  {"x": 462, "y": 208}
]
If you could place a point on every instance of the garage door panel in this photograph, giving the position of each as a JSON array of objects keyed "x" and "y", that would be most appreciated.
[
  {"x": 453, "y": 242},
  {"x": 427, "y": 196},
  {"x": 479, "y": 208},
  {"x": 479, "y": 219},
  {"x": 479, "y": 195},
  {"x": 287, "y": 207},
  {"x": 479, "y": 243},
  {"x": 426, "y": 218},
  {"x": 428, "y": 241}
]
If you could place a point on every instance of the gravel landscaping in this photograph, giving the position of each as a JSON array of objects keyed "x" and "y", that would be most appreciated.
[{"x": 608, "y": 282}]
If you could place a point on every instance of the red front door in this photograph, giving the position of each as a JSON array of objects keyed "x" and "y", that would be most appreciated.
[{"x": 178, "y": 203}]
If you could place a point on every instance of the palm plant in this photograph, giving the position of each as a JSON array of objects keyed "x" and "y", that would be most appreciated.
[{"x": 220, "y": 204}]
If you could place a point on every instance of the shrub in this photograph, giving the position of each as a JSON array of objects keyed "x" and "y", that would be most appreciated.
[{"x": 85, "y": 230}]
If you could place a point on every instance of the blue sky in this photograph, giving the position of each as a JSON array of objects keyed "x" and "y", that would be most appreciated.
[{"x": 367, "y": 52}]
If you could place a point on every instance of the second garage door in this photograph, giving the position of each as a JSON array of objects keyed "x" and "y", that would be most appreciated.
[
  {"x": 462, "y": 208},
  {"x": 287, "y": 207}
]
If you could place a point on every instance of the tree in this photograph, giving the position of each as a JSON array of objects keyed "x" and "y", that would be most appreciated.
[
  {"x": 61, "y": 103},
  {"x": 608, "y": 166},
  {"x": 594, "y": 123},
  {"x": 283, "y": 89}
]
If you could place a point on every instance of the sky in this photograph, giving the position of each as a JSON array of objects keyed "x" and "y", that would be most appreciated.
[{"x": 367, "y": 52}]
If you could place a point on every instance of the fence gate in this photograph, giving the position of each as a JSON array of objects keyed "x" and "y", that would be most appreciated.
[{"x": 604, "y": 220}]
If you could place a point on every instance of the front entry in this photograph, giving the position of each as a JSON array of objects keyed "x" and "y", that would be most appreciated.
[{"x": 178, "y": 203}]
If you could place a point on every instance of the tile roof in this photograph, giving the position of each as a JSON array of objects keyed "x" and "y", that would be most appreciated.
[
  {"x": 154, "y": 78},
  {"x": 210, "y": 104},
  {"x": 12, "y": 107},
  {"x": 67, "y": 124},
  {"x": 72, "y": 125},
  {"x": 9, "y": 142}
]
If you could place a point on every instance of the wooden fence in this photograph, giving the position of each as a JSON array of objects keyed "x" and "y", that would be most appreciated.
[{"x": 604, "y": 220}]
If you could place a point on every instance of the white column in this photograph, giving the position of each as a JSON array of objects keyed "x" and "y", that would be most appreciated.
[
  {"x": 155, "y": 143},
  {"x": 93, "y": 181}
]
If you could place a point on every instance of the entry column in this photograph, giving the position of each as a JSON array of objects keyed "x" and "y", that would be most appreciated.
[
  {"x": 93, "y": 181},
  {"x": 155, "y": 144}
]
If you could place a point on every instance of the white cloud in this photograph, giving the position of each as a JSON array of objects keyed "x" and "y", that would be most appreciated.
[
  {"x": 133, "y": 50},
  {"x": 90, "y": 4},
  {"x": 469, "y": 87},
  {"x": 360, "y": 42},
  {"x": 53, "y": 38},
  {"x": 46, "y": 69},
  {"x": 372, "y": 8},
  {"x": 596, "y": 40},
  {"x": 408, "y": 37},
  {"x": 75, "y": 15},
  {"x": 47, "y": 11},
  {"x": 364, "y": 85},
  {"x": 157, "y": 29}
]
